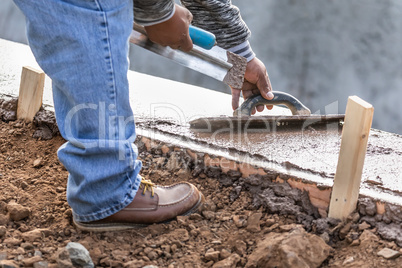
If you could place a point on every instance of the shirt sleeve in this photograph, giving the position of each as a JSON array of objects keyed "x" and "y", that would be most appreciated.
[
  {"x": 223, "y": 19},
  {"x": 150, "y": 12}
]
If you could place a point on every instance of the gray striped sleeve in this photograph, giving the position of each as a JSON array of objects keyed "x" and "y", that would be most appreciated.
[
  {"x": 222, "y": 19},
  {"x": 149, "y": 12},
  {"x": 244, "y": 50}
]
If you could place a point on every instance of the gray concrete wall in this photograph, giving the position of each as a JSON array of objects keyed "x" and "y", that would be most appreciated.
[
  {"x": 323, "y": 52},
  {"x": 12, "y": 22},
  {"x": 320, "y": 51}
]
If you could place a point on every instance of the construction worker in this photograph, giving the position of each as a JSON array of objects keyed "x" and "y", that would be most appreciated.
[{"x": 82, "y": 45}]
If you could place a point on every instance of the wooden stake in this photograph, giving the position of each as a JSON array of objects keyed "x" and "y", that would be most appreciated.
[
  {"x": 31, "y": 92},
  {"x": 345, "y": 192}
]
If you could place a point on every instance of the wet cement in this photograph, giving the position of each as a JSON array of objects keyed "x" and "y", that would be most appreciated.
[
  {"x": 389, "y": 224},
  {"x": 235, "y": 75},
  {"x": 311, "y": 150},
  {"x": 46, "y": 126},
  {"x": 8, "y": 109}
]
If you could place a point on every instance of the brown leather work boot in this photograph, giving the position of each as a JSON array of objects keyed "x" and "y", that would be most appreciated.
[{"x": 151, "y": 204}]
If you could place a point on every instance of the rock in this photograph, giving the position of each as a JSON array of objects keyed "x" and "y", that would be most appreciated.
[
  {"x": 48, "y": 250},
  {"x": 173, "y": 248},
  {"x": 17, "y": 212},
  {"x": 173, "y": 162},
  {"x": 41, "y": 264},
  {"x": 348, "y": 261},
  {"x": 196, "y": 217},
  {"x": 152, "y": 255},
  {"x": 118, "y": 254},
  {"x": 367, "y": 238},
  {"x": 363, "y": 226},
  {"x": 96, "y": 254},
  {"x": 355, "y": 243},
  {"x": 79, "y": 255},
  {"x": 29, "y": 262},
  {"x": 183, "y": 174},
  {"x": 209, "y": 205},
  {"x": 354, "y": 217},
  {"x": 325, "y": 237},
  {"x": 63, "y": 258},
  {"x": 240, "y": 220},
  {"x": 352, "y": 236},
  {"x": 388, "y": 253},
  {"x": 345, "y": 230},
  {"x": 3, "y": 205},
  {"x": 182, "y": 219},
  {"x": 8, "y": 264},
  {"x": 240, "y": 247},
  {"x": 24, "y": 185},
  {"x": 271, "y": 228},
  {"x": 229, "y": 262},
  {"x": 27, "y": 246},
  {"x": 108, "y": 262},
  {"x": 224, "y": 254},
  {"x": 36, "y": 234},
  {"x": 295, "y": 249},
  {"x": 38, "y": 253},
  {"x": 4, "y": 219},
  {"x": 181, "y": 234},
  {"x": 165, "y": 149},
  {"x": 114, "y": 263},
  {"x": 12, "y": 241},
  {"x": 3, "y": 256},
  {"x": 134, "y": 264},
  {"x": 289, "y": 227},
  {"x": 269, "y": 222},
  {"x": 150, "y": 266},
  {"x": 253, "y": 222},
  {"x": 37, "y": 163},
  {"x": 212, "y": 256},
  {"x": 3, "y": 231},
  {"x": 209, "y": 215},
  {"x": 159, "y": 161},
  {"x": 165, "y": 248}
]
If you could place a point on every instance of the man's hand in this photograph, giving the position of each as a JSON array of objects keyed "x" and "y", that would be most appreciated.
[
  {"x": 173, "y": 32},
  {"x": 256, "y": 81}
]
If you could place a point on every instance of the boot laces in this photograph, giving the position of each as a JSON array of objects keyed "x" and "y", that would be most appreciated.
[{"x": 147, "y": 185}]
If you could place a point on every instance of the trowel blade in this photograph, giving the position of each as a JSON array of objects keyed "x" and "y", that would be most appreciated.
[
  {"x": 216, "y": 62},
  {"x": 265, "y": 123}
]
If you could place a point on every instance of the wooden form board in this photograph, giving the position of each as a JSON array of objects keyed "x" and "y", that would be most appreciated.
[
  {"x": 31, "y": 93},
  {"x": 355, "y": 133}
]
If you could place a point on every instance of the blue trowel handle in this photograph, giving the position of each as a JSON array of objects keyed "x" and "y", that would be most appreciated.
[{"x": 202, "y": 38}]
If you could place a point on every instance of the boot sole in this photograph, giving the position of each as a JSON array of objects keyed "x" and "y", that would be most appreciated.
[{"x": 109, "y": 227}]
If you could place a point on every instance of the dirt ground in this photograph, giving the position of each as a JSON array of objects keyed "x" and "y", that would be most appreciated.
[{"x": 225, "y": 233}]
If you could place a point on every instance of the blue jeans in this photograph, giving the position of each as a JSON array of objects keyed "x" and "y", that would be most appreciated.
[{"x": 82, "y": 45}]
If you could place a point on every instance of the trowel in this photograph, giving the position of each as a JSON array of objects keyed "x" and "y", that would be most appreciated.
[
  {"x": 205, "y": 57},
  {"x": 243, "y": 121}
]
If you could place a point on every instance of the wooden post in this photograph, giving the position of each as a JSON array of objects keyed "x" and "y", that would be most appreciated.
[
  {"x": 345, "y": 192},
  {"x": 31, "y": 92}
]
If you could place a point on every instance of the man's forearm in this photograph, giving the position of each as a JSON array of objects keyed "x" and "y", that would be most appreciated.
[{"x": 217, "y": 16}]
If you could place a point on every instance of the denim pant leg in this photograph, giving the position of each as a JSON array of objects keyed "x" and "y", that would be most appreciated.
[{"x": 82, "y": 45}]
